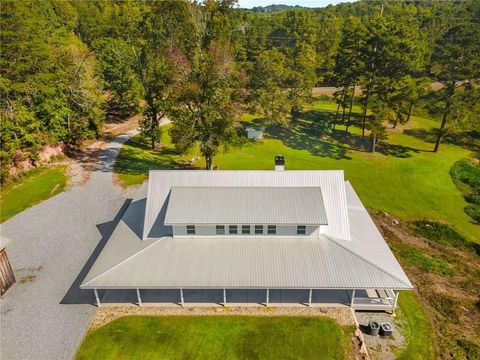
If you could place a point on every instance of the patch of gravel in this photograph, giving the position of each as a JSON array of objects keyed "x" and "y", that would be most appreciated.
[
  {"x": 45, "y": 314},
  {"x": 381, "y": 348},
  {"x": 104, "y": 315}
]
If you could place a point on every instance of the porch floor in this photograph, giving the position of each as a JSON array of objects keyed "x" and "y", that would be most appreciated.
[{"x": 242, "y": 297}]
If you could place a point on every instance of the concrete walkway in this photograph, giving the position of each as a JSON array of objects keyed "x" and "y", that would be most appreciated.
[{"x": 45, "y": 315}]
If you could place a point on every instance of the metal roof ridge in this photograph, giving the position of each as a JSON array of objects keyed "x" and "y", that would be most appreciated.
[
  {"x": 124, "y": 260},
  {"x": 245, "y": 187},
  {"x": 248, "y": 170},
  {"x": 335, "y": 241}
]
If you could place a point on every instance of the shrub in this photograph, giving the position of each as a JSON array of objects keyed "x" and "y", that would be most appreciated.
[
  {"x": 441, "y": 233},
  {"x": 473, "y": 199},
  {"x": 471, "y": 350},
  {"x": 467, "y": 172},
  {"x": 473, "y": 210},
  {"x": 444, "y": 234}
]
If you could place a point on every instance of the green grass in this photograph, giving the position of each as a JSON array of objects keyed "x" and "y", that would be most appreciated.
[
  {"x": 217, "y": 337},
  {"x": 403, "y": 178},
  {"x": 422, "y": 260},
  {"x": 419, "y": 334},
  {"x": 33, "y": 188}
]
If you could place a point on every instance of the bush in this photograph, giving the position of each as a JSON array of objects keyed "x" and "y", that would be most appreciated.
[
  {"x": 473, "y": 199},
  {"x": 444, "y": 234},
  {"x": 473, "y": 210},
  {"x": 441, "y": 233},
  {"x": 467, "y": 172},
  {"x": 471, "y": 350}
]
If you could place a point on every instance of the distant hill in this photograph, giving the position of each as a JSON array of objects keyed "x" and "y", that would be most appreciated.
[{"x": 276, "y": 8}]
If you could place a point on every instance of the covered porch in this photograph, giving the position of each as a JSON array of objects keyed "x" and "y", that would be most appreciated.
[{"x": 359, "y": 299}]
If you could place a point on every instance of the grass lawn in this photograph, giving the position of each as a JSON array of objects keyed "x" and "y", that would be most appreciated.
[
  {"x": 419, "y": 339},
  {"x": 218, "y": 337},
  {"x": 403, "y": 178},
  {"x": 35, "y": 187}
]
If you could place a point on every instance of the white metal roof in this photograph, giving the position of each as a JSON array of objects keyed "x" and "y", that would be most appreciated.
[
  {"x": 331, "y": 182},
  {"x": 246, "y": 205},
  {"x": 245, "y": 263},
  {"x": 127, "y": 261}
]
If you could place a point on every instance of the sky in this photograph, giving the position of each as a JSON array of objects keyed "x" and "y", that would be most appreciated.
[{"x": 307, "y": 3}]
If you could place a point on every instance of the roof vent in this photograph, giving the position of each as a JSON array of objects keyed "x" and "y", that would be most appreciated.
[{"x": 279, "y": 163}]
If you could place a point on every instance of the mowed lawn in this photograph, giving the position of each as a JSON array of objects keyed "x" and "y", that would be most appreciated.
[
  {"x": 33, "y": 188},
  {"x": 218, "y": 337},
  {"x": 404, "y": 178},
  {"x": 419, "y": 341}
]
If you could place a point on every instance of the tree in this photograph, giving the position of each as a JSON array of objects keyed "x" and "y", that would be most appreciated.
[
  {"x": 268, "y": 87},
  {"x": 151, "y": 65},
  {"x": 117, "y": 64},
  {"x": 49, "y": 89},
  {"x": 380, "y": 113},
  {"x": 456, "y": 65},
  {"x": 349, "y": 64},
  {"x": 392, "y": 52},
  {"x": 208, "y": 98}
]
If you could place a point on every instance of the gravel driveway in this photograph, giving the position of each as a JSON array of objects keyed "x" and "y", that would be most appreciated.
[{"x": 45, "y": 315}]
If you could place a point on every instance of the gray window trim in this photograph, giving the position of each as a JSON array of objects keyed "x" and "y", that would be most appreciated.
[
  {"x": 246, "y": 229},
  {"x": 301, "y": 230},
  {"x": 220, "y": 229},
  {"x": 232, "y": 228},
  {"x": 271, "y": 229},
  {"x": 191, "y": 230},
  {"x": 258, "y": 229}
]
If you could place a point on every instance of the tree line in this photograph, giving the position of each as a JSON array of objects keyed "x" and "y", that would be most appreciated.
[{"x": 67, "y": 65}]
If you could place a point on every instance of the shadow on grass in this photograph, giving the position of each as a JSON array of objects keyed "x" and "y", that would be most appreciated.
[
  {"x": 138, "y": 158},
  {"x": 466, "y": 139},
  {"x": 306, "y": 132}
]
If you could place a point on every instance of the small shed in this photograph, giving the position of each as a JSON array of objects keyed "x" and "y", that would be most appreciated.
[
  {"x": 255, "y": 133},
  {"x": 6, "y": 273}
]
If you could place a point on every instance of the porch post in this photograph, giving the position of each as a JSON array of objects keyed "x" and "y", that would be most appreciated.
[
  {"x": 353, "y": 298},
  {"x": 96, "y": 297},
  {"x": 268, "y": 297},
  {"x": 181, "y": 297},
  {"x": 224, "y": 297},
  {"x": 310, "y": 297},
  {"x": 396, "y": 299},
  {"x": 139, "y": 298}
]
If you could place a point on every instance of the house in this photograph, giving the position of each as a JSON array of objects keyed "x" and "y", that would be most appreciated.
[
  {"x": 241, "y": 237},
  {"x": 255, "y": 133}
]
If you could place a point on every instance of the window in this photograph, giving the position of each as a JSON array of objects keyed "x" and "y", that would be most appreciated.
[
  {"x": 233, "y": 229},
  {"x": 259, "y": 229},
  {"x": 272, "y": 229},
  {"x": 220, "y": 229},
  {"x": 190, "y": 229},
  {"x": 246, "y": 229},
  {"x": 301, "y": 230}
]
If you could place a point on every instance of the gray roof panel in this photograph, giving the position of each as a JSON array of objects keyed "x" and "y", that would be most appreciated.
[
  {"x": 331, "y": 182},
  {"x": 246, "y": 263},
  {"x": 246, "y": 205}
]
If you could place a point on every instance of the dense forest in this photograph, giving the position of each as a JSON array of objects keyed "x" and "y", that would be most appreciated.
[{"x": 66, "y": 66}]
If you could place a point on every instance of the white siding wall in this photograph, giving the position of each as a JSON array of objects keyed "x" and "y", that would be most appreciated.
[{"x": 282, "y": 230}]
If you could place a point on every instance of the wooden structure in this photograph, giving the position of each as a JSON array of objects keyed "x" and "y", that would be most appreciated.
[{"x": 6, "y": 273}]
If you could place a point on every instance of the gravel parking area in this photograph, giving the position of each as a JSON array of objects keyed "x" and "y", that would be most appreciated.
[
  {"x": 381, "y": 348},
  {"x": 45, "y": 315}
]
